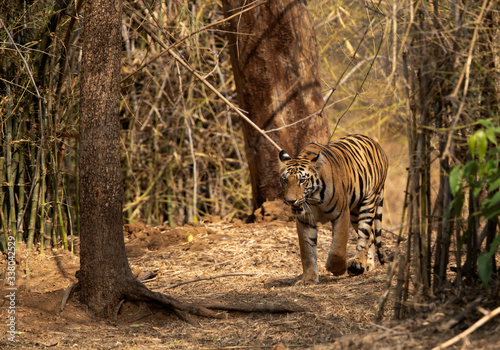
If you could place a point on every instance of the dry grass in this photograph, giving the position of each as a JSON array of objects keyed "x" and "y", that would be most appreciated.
[{"x": 338, "y": 313}]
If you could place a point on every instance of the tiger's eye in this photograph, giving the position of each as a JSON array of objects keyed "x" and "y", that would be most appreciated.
[{"x": 284, "y": 181}]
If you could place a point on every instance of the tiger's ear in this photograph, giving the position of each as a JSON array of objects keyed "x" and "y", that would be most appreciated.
[
  {"x": 318, "y": 161},
  {"x": 284, "y": 156}
]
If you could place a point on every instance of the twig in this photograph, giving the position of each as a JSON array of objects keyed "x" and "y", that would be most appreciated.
[
  {"x": 210, "y": 278},
  {"x": 22, "y": 57},
  {"x": 465, "y": 73},
  {"x": 295, "y": 122},
  {"x": 455, "y": 320},
  {"x": 469, "y": 330},
  {"x": 179, "y": 59},
  {"x": 180, "y": 41},
  {"x": 39, "y": 98},
  {"x": 360, "y": 86}
]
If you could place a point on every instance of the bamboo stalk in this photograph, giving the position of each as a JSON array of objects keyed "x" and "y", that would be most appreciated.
[
  {"x": 3, "y": 221},
  {"x": 22, "y": 191},
  {"x": 34, "y": 208},
  {"x": 43, "y": 191},
  {"x": 61, "y": 222},
  {"x": 12, "y": 218}
]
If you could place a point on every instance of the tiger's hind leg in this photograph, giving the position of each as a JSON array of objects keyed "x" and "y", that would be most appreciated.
[
  {"x": 362, "y": 222},
  {"x": 377, "y": 228}
]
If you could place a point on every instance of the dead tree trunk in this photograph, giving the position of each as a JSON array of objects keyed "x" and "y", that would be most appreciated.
[{"x": 275, "y": 65}]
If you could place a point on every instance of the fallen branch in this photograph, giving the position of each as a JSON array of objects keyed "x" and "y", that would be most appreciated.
[
  {"x": 209, "y": 278},
  {"x": 455, "y": 320},
  {"x": 469, "y": 330}
]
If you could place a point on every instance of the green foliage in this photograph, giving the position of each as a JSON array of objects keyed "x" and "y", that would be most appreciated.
[
  {"x": 480, "y": 173},
  {"x": 485, "y": 262}
]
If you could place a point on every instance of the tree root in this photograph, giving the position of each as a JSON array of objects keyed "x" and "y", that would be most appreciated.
[
  {"x": 270, "y": 308},
  {"x": 209, "y": 278},
  {"x": 136, "y": 291},
  {"x": 67, "y": 294},
  {"x": 185, "y": 311}
]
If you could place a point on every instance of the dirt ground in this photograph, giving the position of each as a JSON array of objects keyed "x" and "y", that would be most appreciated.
[{"x": 263, "y": 263}]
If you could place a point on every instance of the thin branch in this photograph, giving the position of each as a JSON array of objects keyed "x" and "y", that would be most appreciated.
[
  {"x": 22, "y": 57},
  {"x": 295, "y": 122},
  {"x": 180, "y": 41},
  {"x": 179, "y": 59},
  {"x": 40, "y": 112},
  {"x": 360, "y": 87},
  {"x": 465, "y": 73},
  {"x": 341, "y": 80},
  {"x": 469, "y": 330}
]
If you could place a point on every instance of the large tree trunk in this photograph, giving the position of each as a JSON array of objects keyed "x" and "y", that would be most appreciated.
[
  {"x": 275, "y": 64},
  {"x": 105, "y": 276},
  {"x": 104, "y": 266}
]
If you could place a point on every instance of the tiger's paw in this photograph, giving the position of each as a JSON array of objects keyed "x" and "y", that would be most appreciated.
[
  {"x": 336, "y": 265},
  {"x": 357, "y": 267},
  {"x": 307, "y": 280}
]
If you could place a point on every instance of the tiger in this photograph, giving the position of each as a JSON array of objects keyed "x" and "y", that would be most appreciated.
[{"x": 342, "y": 181}]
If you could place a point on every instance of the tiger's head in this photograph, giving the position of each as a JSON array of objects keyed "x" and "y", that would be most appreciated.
[{"x": 300, "y": 180}]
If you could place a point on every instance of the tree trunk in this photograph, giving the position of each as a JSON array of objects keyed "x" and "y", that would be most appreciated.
[
  {"x": 105, "y": 276},
  {"x": 104, "y": 266},
  {"x": 275, "y": 64}
]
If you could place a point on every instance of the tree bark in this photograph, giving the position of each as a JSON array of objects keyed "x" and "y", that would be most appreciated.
[
  {"x": 275, "y": 65},
  {"x": 104, "y": 267},
  {"x": 105, "y": 277}
]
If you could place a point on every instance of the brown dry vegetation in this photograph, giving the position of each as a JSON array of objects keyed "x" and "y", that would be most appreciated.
[
  {"x": 336, "y": 314},
  {"x": 165, "y": 112}
]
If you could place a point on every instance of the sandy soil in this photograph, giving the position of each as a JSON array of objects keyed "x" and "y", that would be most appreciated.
[{"x": 264, "y": 260}]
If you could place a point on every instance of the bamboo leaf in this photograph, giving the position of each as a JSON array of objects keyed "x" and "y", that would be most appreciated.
[
  {"x": 485, "y": 262},
  {"x": 472, "y": 144},
  {"x": 456, "y": 176},
  {"x": 491, "y": 135},
  {"x": 482, "y": 144}
]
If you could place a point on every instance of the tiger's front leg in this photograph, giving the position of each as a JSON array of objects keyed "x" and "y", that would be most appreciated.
[
  {"x": 336, "y": 262},
  {"x": 308, "y": 240}
]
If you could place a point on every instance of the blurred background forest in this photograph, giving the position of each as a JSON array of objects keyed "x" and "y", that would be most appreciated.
[
  {"x": 422, "y": 78},
  {"x": 183, "y": 150}
]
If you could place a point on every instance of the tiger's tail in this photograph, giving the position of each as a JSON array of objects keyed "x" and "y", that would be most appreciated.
[{"x": 377, "y": 226}]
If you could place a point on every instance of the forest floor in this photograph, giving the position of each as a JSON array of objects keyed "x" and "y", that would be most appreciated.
[{"x": 261, "y": 263}]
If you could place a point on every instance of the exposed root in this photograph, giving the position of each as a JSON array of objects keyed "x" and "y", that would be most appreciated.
[
  {"x": 209, "y": 278},
  {"x": 187, "y": 311},
  {"x": 67, "y": 294}
]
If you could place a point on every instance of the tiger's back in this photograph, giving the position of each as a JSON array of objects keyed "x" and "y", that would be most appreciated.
[{"x": 341, "y": 182}]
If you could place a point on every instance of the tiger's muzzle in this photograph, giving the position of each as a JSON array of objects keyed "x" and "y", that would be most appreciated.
[{"x": 296, "y": 207}]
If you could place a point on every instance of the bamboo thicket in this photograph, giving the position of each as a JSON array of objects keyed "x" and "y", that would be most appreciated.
[
  {"x": 451, "y": 78},
  {"x": 182, "y": 149}
]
